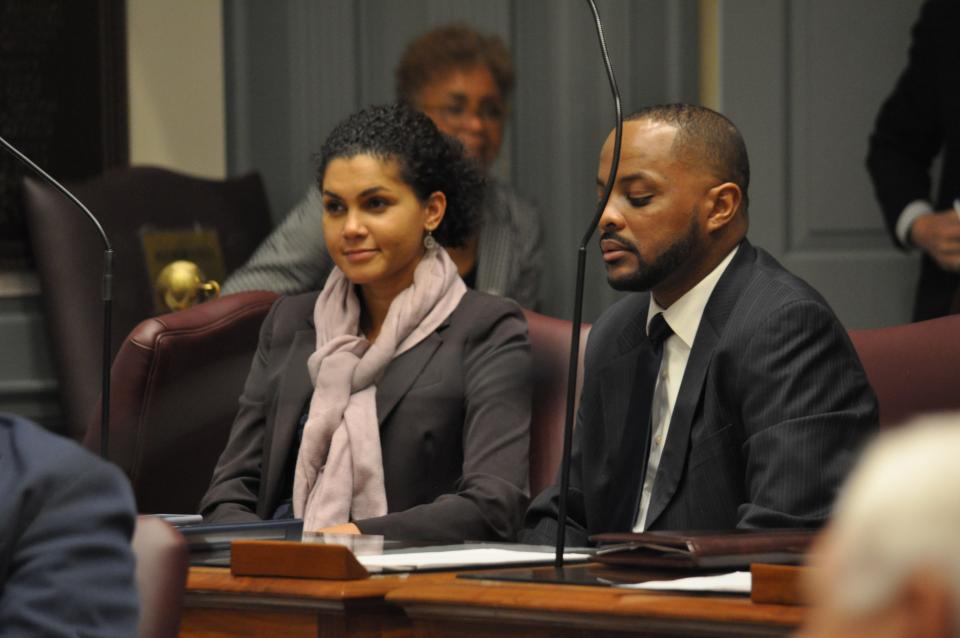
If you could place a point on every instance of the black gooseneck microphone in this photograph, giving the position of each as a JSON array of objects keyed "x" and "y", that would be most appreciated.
[
  {"x": 107, "y": 294},
  {"x": 578, "y": 298}
]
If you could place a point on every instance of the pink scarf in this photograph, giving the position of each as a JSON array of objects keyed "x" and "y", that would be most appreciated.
[{"x": 339, "y": 474}]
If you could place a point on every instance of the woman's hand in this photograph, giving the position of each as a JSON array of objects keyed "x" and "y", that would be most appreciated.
[{"x": 343, "y": 528}]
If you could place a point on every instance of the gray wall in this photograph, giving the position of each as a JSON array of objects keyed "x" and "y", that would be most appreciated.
[{"x": 804, "y": 80}]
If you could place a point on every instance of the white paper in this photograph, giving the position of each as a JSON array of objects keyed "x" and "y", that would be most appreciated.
[
  {"x": 732, "y": 583},
  {"x": 180, "y": 519},
  {"x": 462, "y": 558}
]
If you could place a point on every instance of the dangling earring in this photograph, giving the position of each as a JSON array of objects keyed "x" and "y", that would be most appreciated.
[{"x": 428, "y": 241}]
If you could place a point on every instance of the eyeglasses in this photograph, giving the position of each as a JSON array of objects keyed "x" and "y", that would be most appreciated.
[{"x": 454, "y": 113}]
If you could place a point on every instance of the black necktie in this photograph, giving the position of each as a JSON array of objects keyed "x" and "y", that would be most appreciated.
[
  {"x": 658, "y": 332},
  {"x": 636, "y": 444}
]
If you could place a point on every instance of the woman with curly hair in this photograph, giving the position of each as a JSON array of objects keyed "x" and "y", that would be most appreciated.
[{"x": 396, "y": 401}]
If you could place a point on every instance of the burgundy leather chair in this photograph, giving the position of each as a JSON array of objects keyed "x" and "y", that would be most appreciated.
[
  {"x": 175, "y": 385},
  {"x": 914, "y": 368},
  {"x": 161, "y": 575},
  {"x": 69, "y": 257},
  {"x": 550, "y": 346}
]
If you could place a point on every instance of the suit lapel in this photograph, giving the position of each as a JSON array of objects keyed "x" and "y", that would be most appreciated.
[
  {"x": 715, "y": 315},
  {"x": 619, "y": 376},
  {"x": 403, "y": 371},
  {"x": 623, "y": 438},
  {"x": 293, "y": 390}
]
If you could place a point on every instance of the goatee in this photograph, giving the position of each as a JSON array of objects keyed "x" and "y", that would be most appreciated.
[{"x": 649, "y": 274}]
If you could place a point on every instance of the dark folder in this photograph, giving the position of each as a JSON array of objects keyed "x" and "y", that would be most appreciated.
[{"x": 703, "y": 550}]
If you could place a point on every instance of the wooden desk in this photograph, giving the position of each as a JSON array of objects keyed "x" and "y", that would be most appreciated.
[
  {"x": 496, "y": 609},
  {"x": 219, "y": 604}
]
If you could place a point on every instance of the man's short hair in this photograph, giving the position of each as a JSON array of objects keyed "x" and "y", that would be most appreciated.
[
  {"x": 705, "y": 138},
  {"x": 899, "y": 513},
  {"x": 454, "y": 47}
]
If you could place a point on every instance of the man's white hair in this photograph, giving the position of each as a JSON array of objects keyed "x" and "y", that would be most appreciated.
[{"x": 899, "y": 512}]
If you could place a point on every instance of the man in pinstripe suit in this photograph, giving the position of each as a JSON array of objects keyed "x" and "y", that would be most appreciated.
[{"x": 747, "y": 404}]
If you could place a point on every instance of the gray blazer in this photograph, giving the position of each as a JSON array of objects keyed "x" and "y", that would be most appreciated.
[
  {"x": 66, "y": 518},
  {"x": 454, "y": 415},
  {"x": 773, "y": 408},
  {"x": 293, "y": 259}
]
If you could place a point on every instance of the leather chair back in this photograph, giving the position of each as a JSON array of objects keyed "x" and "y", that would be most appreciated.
[
  {"x": 161, "y": 575},
  {"x": 914, "y": 368},
  {"x": 68, "y": 253},
  {"x": 175, "y": 385},
  {"x": 550, "y": 345}
]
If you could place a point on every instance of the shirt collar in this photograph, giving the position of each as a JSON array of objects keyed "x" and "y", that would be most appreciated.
[{"x": 684, "y": 315}]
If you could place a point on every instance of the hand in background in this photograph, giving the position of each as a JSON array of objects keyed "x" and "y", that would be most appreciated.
[{"x": 938, "y": 235}]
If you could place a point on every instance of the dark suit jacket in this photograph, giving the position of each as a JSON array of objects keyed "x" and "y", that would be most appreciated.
[
  {"x": 454, "y": 415},
  {"x": 772, "y": 409},
  {"x": 920, "y": 119},
  {"x": 66, "y": 519}
]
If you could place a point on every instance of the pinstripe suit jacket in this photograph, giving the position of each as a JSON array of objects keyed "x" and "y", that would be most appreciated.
[
  {"x": 772, "y": 409},
  {"x": 294, "y": 259}
]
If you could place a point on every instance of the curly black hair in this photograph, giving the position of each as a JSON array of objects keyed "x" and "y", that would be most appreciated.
[{"x": 429, "y": 161}]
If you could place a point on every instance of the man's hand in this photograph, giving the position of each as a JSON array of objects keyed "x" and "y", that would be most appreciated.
[{"x": 938, "y": 235}]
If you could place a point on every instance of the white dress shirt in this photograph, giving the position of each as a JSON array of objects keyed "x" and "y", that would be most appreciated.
[
  {"x": 910, "y": 213},
  {"x": 683, "y": 317}
]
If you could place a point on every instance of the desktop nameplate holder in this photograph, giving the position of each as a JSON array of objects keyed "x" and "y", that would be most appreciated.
[{"x": 293, "y": 559}]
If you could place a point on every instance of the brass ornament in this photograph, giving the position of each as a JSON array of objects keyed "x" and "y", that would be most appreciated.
[{"x": 181, "y": 284}]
